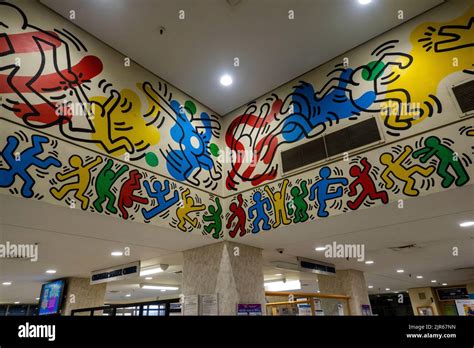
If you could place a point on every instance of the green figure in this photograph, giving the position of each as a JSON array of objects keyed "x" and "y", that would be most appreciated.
[
  {"x": 215, "y": 217},
  {"x": 299, "y": 203},
  {"x": 447, "y": 158},
  {"x": 103, "y": 184}
]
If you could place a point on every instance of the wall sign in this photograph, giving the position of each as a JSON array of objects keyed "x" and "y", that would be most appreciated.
[
  {"x": 249, "y": 309},
  {"x": 209, "y": 304},
  {"x": 445, "y": 294}
]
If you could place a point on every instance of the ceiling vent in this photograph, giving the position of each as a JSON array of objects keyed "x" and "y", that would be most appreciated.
[
  {"x": 463, "y": 94},
  {"x": 356, "y": 136},
  {"x": 306, "y": 265}
]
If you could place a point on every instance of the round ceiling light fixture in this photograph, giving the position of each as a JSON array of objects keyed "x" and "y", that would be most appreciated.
[{"x": 226, "y": 80}]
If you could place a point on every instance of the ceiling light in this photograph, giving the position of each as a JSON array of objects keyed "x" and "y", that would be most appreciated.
[
  {"x": 369, "y": 262},
  {"x": 7, "y": 283},
  {"x": 128, "y": 295},
  {"x": 320, "y": 248},
  {"x": 116, "y": 253},
  {"x": 150, "y": 271},
  {"x": 51, "y": 271},
  {"x": 16, "y": 302},
  {"x": 365, "y": 2},
  {"x": 370, "y": 286},
  {"x": 433, "y": 281},
  {"x": 387, "y": 289},
  {"x": 226, "y": 80},
  {"x": 400, "y": 271},
  {"x": 467, "y": 224},
  {"x": 37, "y": 299},
  {"x": 148, "y": 278},
  {"x": 444, "y": 284},
  {"x": 283, "y": 286},
  {"x": 158, "y": 287},
  {"x": 278, "y": 274},
  {"x": 163, "y": 290},
  {"x": 419, "y": 277}
]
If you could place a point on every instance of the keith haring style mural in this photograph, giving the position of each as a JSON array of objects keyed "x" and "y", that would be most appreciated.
[
  {"x": 49, "y": 80},
  {"x": 20, "y": 163},
  {"x": 215, "y": 219},
  {"x": 399, "y": 86},
  {"x": 32, "y": 167},
  {"x": 382, "y": 176}
]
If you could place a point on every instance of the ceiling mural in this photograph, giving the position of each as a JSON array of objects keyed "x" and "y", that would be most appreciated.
[
  {"x": 51, "y": 81},
  {"x": 398, "y": 81},
  {"x": 82, "y": 130}
]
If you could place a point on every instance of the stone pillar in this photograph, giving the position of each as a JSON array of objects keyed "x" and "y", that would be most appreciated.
[
  {"x": 232, "y": 271},
  {"x": 84, "y": 295},
  {"x": 424, "y": 297},
  {"x": 347, "y": 282}
]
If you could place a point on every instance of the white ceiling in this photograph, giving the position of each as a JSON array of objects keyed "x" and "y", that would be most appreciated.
[
  {"x": 76, "y": 243},
  {"x": 193, "y": 53}
]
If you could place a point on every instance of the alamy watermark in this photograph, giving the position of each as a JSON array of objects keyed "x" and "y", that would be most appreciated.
[
  {"x": 345, "y": 251},
  {"x": 21, "y": 251}
]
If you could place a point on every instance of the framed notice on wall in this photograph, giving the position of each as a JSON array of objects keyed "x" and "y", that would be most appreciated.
[
  {"x": 191, "y": 305},
  {"x": 209, "y": 304}
]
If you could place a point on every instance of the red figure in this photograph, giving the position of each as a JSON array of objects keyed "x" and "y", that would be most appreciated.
[
  {"x": 126, "y": 197},
  {"x": 366, "y": 182},
  {"x": 239, "y": 213}
]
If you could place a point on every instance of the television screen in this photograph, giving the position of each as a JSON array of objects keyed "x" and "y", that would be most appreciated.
[{"x": 51, "y": 296}]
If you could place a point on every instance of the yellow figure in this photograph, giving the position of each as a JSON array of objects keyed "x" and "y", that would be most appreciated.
[
  {"x": 396, "y": 168},
  {"x": 119, "y": 124},
  {"x": 83, "y": 174},
  {"x": 187, "y": 206},
  {"x": 278, "y": 203},
  {"x": 438, "y": 50}
]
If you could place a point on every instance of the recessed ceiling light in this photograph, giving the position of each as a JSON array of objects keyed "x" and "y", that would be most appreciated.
[
  {"x": 226, "y": 80},
  {"x": 433, "y": 281},
  {"x": 419, "y": 277},
  {"x": 370, "y": 286},
  {"x": 150, "y": 271},
  {"x": 116, "y": 253},
  {"x": 16, "y": 302},
  {"x": 365, "y": 2},
  {"x": 320, "y": 248},
  {"x": 444, "y": 284},
  {"x": 278, "y": 274},
  {"x": 148, "y": 278},
  {"x": 128, "y": 295},
  {"x": 369, "y": 262},
  {"x": 7, "y": 283},
  {"x": 158, "y": 287},
  {"x": 387, "y": 289},
  {"x": 467, "y": 224},
  {"x": 400, "y": 271},
  {"x": 51, "y": 271},
  {"x": 163, "y": 290},
  {"x": 37, "y": 299}
]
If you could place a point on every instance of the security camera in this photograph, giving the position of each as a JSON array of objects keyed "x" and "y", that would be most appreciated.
[
  {"x": 164, "y": 266},
  {"x": 280, "y": 250},
  {"x": 162, "y": 30}
]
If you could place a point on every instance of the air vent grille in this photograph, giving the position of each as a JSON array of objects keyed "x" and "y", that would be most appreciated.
[
  {"x": 464, "y": 94},
  {"x": 344, "y": 140}
]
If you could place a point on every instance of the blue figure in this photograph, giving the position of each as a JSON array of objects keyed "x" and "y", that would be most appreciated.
[
  {"x": 309, "y": 111},
  {"x": 259, "y": 207},
  {"x": 160, "y": 195},
  {"x": 193, "y": 152},
  {"x": 26, "y": 159},
  {"x": 322, "y": 187}
]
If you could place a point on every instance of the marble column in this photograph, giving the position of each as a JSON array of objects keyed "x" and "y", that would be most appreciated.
[
  {"x": 423, "y": 298},
  {"x": 232, "y": 271},
  {"x": 80, "y": 294},
  {"x": 347, "y": 282}
]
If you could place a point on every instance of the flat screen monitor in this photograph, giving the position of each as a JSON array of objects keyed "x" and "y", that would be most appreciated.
[{"x": 51, "y": 297}]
